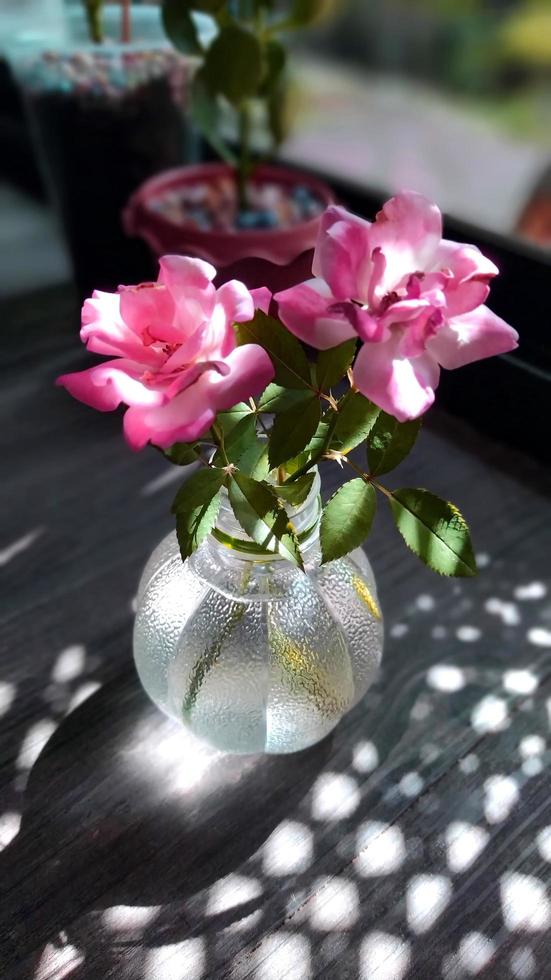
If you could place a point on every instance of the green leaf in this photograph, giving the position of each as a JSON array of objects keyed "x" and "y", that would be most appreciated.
[
  {"x": 228, "y": 420},
  {"x": 277, "y": 399},
  {"x": 347, "y": 518},
  {"x": 312, "y": 451},
  {"x": 205, "y": 6},
  {"x": 296, "y": 493},
  {"x": 334, "y": 363},
  {"x": 304, "y": 12},
  {"x": 276, "y": 57},
  {"x": 435, "y": 530},
  {"x": 233, "y": 64},
  {"x": 390, "y": 442},
  {"x": 205, "y": 113},
  {"x": 318, "y": 440},
  {"x": 255, "y": 463},
  {"x": 279, "y": 108},
  {"x": 182, "y": 453},
  {"x": 290, "y": 362},
  {"x": 199, "y": 488},
  {"x": 180, "y": 27},
  {"x": 292, "y": 430},
  {"x": 242, "y": 437},
  {"x": 192, "y": 526},
  {"x": 356, "y": 418},
  {"x": 262, "y": 517}
]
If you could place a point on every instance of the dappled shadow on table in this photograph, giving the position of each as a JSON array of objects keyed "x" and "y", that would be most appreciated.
[{"x": 417, "y": 838}]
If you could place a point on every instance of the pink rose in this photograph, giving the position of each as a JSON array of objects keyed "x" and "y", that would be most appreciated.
[
  {"x": 176, "y": 363},
  {"x": 413, "y": 298}
]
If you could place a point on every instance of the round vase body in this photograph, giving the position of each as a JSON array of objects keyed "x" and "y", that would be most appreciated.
[{"x": 249, "y": 652}]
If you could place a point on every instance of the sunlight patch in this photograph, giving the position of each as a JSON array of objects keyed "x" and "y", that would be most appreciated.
[
  {"x": 475, "y": 952},
  {"x": 464, "y": 843},
  {"x": 539, "y": 636},
  {"x": 187, "y": 959},
  {"x": 334, "y": 905},
  {"x": 381, "y": 847},
  {"x": 69, "y": 664},
  {"x": 468, "y": 634},
  {"x": 490, "y": 715},
  {"x": 398, "y": 630},
  {"x": 507, "y": 611},
  {"x": 384, "y": 957},
  {"x": 335, "y": 796},
  {"x": 289, "y": 850},
  {"x": 7, "y": 694},
  {"x": 82, "y": 693},
  {"x": 232, "y": 891},
  {"x": 34, "y": 741},
  {"x": 533, "y": 590},
  {"x": 427, "y": 896},
  {"x": 520, "y": 681},
  {"x": 446, "y": 677},
  {"x": 10, "y": 822},
  {"x": 525, "y": 904},
  {"x": 365, "y": 757},
  {"x": 531, "y": 745},
  {"x": 284, "y": 955},
  {"x": 544, "y": 843},
  {"x": 129, "y": 918},
  {"x": 500, "y": 795},
  {"x": 410, "y": 784}
]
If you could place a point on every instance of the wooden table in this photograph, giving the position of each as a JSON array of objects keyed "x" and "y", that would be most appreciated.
[{"x": 413, "y": 843}]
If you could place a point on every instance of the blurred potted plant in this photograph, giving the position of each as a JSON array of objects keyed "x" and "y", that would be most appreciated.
[
  {"x": 251, "y": 219},
  {"x": 105, "y": 106}
]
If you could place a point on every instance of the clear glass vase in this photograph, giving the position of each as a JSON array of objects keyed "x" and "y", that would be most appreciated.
[{"x": 249, "y": 652}]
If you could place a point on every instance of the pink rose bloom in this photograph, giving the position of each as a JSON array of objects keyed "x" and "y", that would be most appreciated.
[
  {"x": 413, "y": 298},
  {"x": 176, "y": 363}
]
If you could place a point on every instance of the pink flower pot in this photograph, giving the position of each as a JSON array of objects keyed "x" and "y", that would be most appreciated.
[{"x": 273, "y": 257}]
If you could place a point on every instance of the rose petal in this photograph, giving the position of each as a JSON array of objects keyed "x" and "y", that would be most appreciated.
[
  {"x": 236, "y": 301},
  {"x": 191, "y": 413},
  {"x": 148, "y": 309},
  {"x": 106, "y": 385},
  {"x": 341, "y": 253},
  {"x": 401, "y": 386},
  {"x": 180, "y": 272},
  {"x": 304, "y": 309},
  {"x": 472, "y": 337},
  {"x": 104, "y": 331},
  {"x": 471, "y": 271},
  {"x": 262, "y": 297},
  {"x": 408, "y": 230},
  {"x": 189, "y": 282}
]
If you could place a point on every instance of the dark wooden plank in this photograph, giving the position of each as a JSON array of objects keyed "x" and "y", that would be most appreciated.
[{"x": 413, "y": 843}]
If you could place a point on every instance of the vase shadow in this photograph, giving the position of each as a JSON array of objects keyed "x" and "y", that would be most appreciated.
[{"x": 124, "y": 807}]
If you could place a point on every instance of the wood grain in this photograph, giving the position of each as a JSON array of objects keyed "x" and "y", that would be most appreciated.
[{"x": 414, "y": 843}]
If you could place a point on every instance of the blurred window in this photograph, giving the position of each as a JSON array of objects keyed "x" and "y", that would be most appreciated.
[{"x": 449, "y": 97}]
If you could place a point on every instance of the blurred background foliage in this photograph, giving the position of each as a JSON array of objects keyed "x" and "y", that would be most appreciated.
[{"x": 496, "y": 53}]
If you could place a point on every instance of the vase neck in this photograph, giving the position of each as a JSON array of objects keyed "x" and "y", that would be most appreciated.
[{"x": 229, "y": 536}]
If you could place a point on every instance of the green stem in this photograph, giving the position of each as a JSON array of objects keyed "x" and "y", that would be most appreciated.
[
  {"x": 327, "y": 442},
  {"x": 218, "y": 433},
  {"x": 208, "y": 660},
  {"x": 244, "y": 163},
  {"x": 93, "y": 15},
  {"x": 365, "y": 476}
]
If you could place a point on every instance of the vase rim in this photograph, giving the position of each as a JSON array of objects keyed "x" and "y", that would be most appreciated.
[{"x": 305, "y": 518}]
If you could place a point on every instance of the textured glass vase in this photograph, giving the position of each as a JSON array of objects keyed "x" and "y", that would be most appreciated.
[{"x": 249, "y": 652}]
